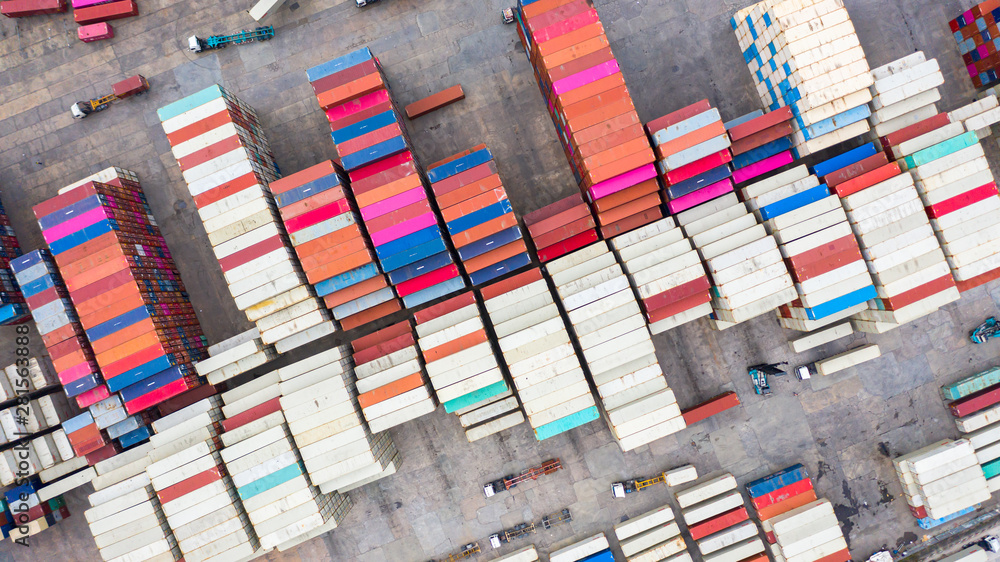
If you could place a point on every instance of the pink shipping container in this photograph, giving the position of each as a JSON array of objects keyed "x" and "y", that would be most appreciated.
[
  {"x": 22, "y": 8},
  {"x": 95, "y": 32}
]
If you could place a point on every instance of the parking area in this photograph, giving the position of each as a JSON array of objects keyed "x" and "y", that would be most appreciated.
[{"x": 844, "y": 428}]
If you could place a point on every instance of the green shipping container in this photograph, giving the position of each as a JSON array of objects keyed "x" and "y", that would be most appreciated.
[{"x": 972, "y": 384}]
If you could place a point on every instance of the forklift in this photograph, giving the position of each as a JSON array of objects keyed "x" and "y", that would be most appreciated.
[
  {"x": 507, "y": 482},
  {"x": 197, "y": 44},
  {"x": 985, "y": 331},
  {"x": 133, "y": 86},
  {"x": 515, "y": 532},
  {"x": 621, "y": 489},
  {"x": 759, "y": 373}
]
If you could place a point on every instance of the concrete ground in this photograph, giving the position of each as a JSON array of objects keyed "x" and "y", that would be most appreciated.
[{"x": 673, "y": 53}]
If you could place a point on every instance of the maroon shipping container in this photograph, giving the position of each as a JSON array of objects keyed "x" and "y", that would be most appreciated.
[
  {"x": 22, "y": 8},
  {"x": 95, "y": 32},
  {"x": 130, "y": 86},
  {"x": 975, "y": 402},
  {"x": 106, "y": 12},
  {"x": 711, "y": 407}
]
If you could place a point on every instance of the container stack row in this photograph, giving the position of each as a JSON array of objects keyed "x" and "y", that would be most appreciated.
[
  {"x": 903, "y": 101},
  {"x": 319, "y": 400},
  {"x": 911, "y": 276},
  {"x": 126, "y": 517},
  {"x": 667, "y": 274},
  {"x": 388, "y": 184},
  {"x": 392, "y": 385},
  {"x": 974, "y": 553},
  {"x": 463, "y": 367},
  {"x": 25, "y": 8},
  {"x": 478, "y": 215},
  {"x": 733, "y": 246},
  {"x": 57, "y": 322},
  {"x": 227, "y": 164},
  {"x": 526, "y": 554},
  {"x": 611, "y": 331},
  {"x": 652, "y": 536},
  {"x": 268, "y": 472},
  {"x": 540, "y": 357},
  {"x": 760, "y": 144},
  {"x": 942, "y": 481},
  {"x": 200, "y": 499},
  {"x": 561, "y": 227},
  {"x": 235, "y": 356},
  {"x": 975, "y": 401},
  {"x": 694, "y": 157},
  {"x": 592, "y": 549},
  {"x": 950, "y": 170},
  {"x": 810, "y": 59},
  {"x": 817, "y": 244},
  {"x": 781, "y": 493},
  {"x": 976, "y": 33},
  {"x": 809, "y": 533},
  {"x": 13, "y": 309},
  {"x": 592, "y": 111},
  {"x": 323, "y": 226},
  {"x": 34, "y": 513},
  {"x": 129, "y": 298},
  {"x": 717, "y": 520}
]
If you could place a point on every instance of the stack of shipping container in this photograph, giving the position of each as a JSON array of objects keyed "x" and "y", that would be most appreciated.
[
  {"x": 942, "y": 481},
  {"x": 975, "y": 32},
  {"x": 268, "y": 472},
  {"x": 127, "y": 518},
  {"x": 235, "y": 356},
  {"x": 809, "y": 533},
  {"x": 974, "y": 553},
  {"x": 478, "y": 215},
  {"x": 716, "y": 518},
  {"x": 200, "y": 499},
  {"x": 57, "y": 322},
  {"x": 901, "y": 102},
  {"x": 760, "y": 144},
  {"x": 526, "y": 554},
  {"x": 611, "y": 331},
  {"x": 784, "y": 495},
  {"x": 809, "y": 59},
  {"x": 26, "y": 511},
  {"x": 463, "y": 368},
  {"x": 592, "y": 549},
  {"x": 949, "y": 167},
  {"x": 818, "y": 245},
  {"x": 694, "y": 156},
  {"x": 667, "y": 274},
  {"x": 902, "y": 254},
  {"x": 13, "y": 309},
  {"x": 592, "y": 111},
  {"x": 743, "y": 261},
  {"x": 975, "y": 400},
  {"x": 370, "y": 137},
  {"x": 392, "y": 385},
  {"x": 561, "y": 227},
  {"x": 319, "y": 400},
  {"x": 226, "y": 162},
  {"x": 539, "y": 355},
  {"x": 322, "y": 224},
  {"x": 652, "y": 536},
  {"x": 131, "y": 302}
]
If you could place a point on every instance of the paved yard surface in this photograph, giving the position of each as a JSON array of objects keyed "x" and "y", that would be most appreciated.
[{"x": 673, "y": 53}]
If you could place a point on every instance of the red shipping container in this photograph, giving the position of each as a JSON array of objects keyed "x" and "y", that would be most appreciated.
[
  {"x": 511, "y": 283},
  {"x": 975, "y": 402},
  {"x": 718, "y": 523},
  {"x": 106, "y": 12},
  {"x": 95, "y": 32},
  {"x": 22, "y": 8},
  {"x": 711, "y": 407}
]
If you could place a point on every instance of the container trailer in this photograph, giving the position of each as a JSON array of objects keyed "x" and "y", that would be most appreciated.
[
  {"x": 133, "y": 86},
  {"x": 197, "y": 44}
]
